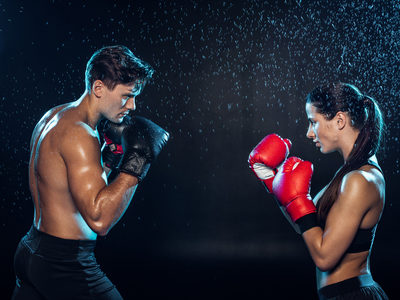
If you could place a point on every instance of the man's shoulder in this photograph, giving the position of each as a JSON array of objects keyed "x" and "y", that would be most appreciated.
[
  {"x": 79, "y": 129},
  {"x": 68, "y": 124},
  {"x": 67, "y": 129},
  {"x": 51, "y": 113},
  {"x": 44, "y": 121},
  {"x": 78, "y": 142}
]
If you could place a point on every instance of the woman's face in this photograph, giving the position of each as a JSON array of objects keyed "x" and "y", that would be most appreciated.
[{"x": 321, "y": 130}]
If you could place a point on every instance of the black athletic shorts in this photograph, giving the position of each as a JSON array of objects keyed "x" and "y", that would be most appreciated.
[
  {"x": 48, "y": 267},
  {"x": 361, "y": 287}
]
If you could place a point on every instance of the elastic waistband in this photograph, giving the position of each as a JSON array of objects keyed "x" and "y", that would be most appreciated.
[
  {"x": 346, "y": 286},
  {"x": 43, "y": 243}
]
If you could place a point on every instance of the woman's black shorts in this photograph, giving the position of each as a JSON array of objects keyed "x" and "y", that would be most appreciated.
[{"x": 361, "y": 287}]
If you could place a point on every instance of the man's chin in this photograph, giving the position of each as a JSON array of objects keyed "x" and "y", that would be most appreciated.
[
  {"x": 119, "y": 118},
  {"x": 116, "y": 120}
]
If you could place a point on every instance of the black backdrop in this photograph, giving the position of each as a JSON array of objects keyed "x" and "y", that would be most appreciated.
[{"x": 227, "y": 74}]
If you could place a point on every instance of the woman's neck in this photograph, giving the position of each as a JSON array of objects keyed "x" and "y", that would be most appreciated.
[{"x": 347, "y": 143}]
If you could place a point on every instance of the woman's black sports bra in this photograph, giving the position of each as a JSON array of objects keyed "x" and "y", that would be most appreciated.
[{"x": 362, "y": 241}]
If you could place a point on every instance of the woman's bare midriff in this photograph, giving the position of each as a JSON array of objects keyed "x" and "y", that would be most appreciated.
[{"x": 352, "y": 265}]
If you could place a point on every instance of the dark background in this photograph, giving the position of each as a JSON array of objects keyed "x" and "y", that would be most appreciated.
[{"x": 227, "y": 74}]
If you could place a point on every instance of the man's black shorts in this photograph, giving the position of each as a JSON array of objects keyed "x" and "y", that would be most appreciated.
[{"x": 48, "y": 267}]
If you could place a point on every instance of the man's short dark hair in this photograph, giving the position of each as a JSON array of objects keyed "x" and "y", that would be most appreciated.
[{"x": 116, "y": 65}]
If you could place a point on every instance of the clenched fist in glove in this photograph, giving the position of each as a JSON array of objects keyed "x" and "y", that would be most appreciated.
[
  {"x": 267, "y": 156},
  {"x": 112, "y": 151},
  {"x": 141, "y": 141},
  {"x": 291, "y": 187}
]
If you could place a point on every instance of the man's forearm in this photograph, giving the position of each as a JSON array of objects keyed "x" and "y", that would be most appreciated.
[{"x": 112, "y": 202}]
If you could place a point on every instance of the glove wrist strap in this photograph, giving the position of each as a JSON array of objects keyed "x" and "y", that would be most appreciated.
[
  {"x": 134, "y": 164},
  {"x": 300, "y": 206},
  {"x": 307, "y": 222}
]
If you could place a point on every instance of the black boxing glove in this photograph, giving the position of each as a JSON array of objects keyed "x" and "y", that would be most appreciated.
[
  {"x": 113, "y": 151},
  {"x": 142, "y": 141}
]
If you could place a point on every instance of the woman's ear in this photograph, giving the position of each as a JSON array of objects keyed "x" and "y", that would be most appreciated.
[{"x": 341, "y": 120}]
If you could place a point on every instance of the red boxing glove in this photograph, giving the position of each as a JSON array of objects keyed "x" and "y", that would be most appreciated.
[
  {"x": 112, "y": 151},
  {"x": 114, "y": 148},
  {"x": 292, "y": 187},
  {"x": 267, "y": 156}
]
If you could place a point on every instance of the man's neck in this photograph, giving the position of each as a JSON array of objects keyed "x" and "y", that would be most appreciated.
[{"x": 87, "y": 107}]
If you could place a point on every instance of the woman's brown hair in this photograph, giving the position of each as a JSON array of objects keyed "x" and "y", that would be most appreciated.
[{"x": 365, "y": 115}]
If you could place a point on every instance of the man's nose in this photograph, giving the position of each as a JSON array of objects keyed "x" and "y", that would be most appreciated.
[{"x": 131, "y": 104}]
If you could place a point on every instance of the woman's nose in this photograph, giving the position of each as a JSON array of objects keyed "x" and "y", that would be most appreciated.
[{"x": 310, "y": 133}]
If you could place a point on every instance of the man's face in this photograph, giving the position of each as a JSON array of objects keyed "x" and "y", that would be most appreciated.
[{"x": 120, "y": 101}]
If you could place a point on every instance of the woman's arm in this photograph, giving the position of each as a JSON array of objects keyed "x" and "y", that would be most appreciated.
[{"x": 357, "y": 194}]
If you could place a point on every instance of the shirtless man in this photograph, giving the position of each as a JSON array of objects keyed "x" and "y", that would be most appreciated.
[{"x": 73, "y": 202}]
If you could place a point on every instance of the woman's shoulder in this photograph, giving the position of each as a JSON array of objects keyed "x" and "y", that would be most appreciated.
[
  {"x": 368, "y": 174},
  {"x": 364, "y": 177},
  {"x": 365, "y": 184}
]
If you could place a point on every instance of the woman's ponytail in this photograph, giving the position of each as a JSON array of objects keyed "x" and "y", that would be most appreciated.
[{"x": 365, "y": 116}]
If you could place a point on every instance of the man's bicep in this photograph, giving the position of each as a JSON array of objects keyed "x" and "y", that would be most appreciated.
[{"x": 85, "y": 174}]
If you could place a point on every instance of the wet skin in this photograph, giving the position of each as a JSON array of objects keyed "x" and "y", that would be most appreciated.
[
  {"x": 68, "y": 184},
  {"x": 359, "y": 205}
]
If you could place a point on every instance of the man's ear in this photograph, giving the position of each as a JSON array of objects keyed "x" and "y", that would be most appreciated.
[
  {"x": 341, "y": 120},
  {"x": 98, "y": 88}
]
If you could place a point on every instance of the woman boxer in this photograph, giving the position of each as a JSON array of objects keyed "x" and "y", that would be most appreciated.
[{"x": 338, "y": 231}]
